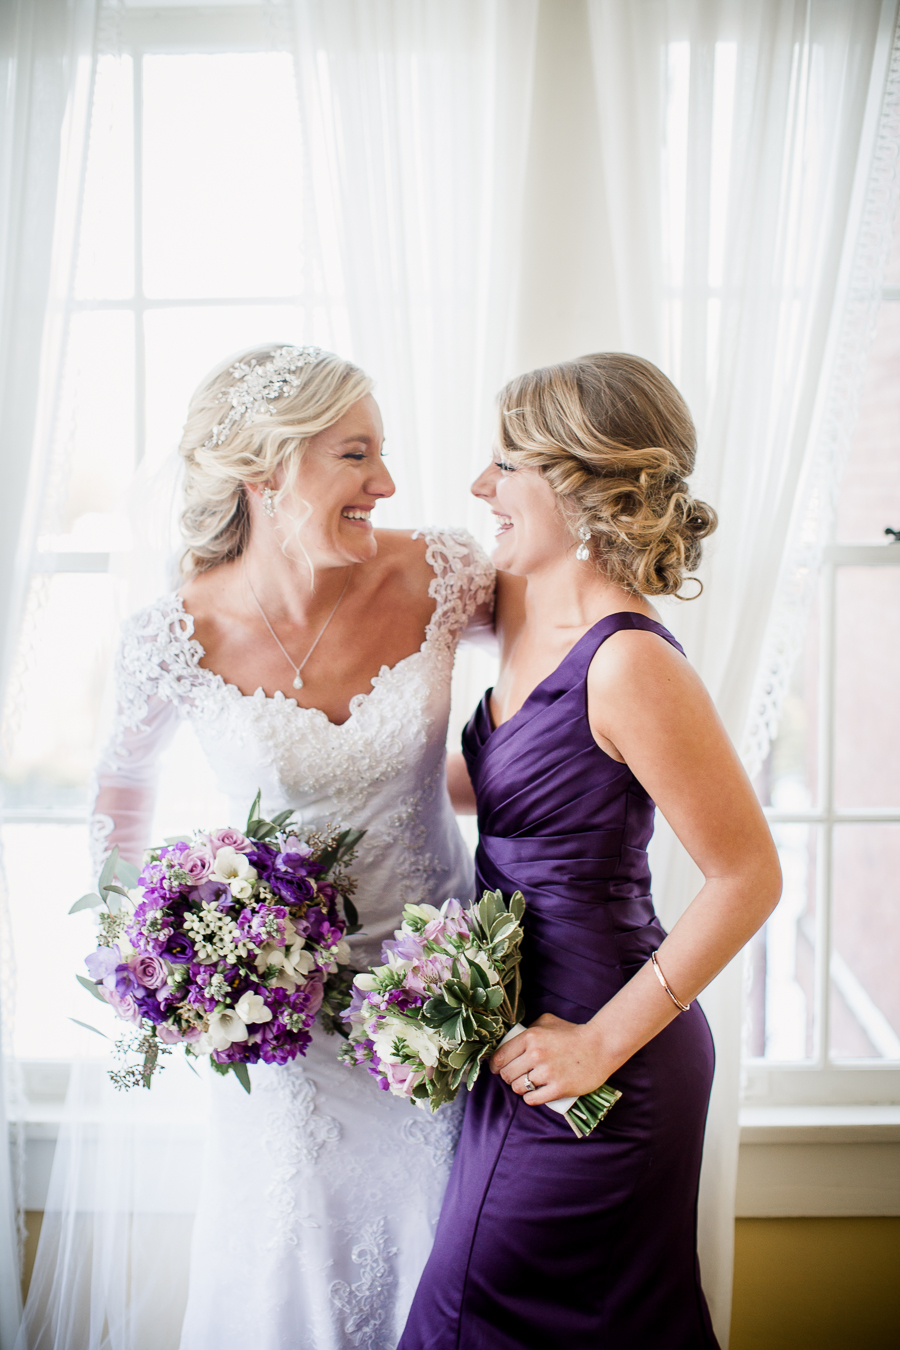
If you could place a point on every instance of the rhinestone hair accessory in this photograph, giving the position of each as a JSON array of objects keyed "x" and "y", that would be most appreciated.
[{"x": 256, "y": 386}]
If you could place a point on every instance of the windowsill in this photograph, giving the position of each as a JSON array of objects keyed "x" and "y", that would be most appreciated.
[
  {"x": 819, "y": 1161},
  {"x": 844, "y": 1124}
]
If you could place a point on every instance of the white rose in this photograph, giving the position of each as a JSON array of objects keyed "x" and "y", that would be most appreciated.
[
  {"x": 420, "y": 1040},
  {"x": 226, "y": 1027},
  {"x": 252, "y": 1008},
  {"x": 233, "y": 866}
]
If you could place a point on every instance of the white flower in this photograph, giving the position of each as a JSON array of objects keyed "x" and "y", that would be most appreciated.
[
  {"x": 232, "y": 866},
  {"x": 240, "y": 889},
  {"x": 291, "y": 961},
  {"x": 365, "y": 982},
  {"x": 480, "y": 958},
  {"x": 225, "y": 1027},
  {"x": 252, "y": 1008},
  {"x": 420, "y": 1040},
  {"x": 342, "y": 952}
]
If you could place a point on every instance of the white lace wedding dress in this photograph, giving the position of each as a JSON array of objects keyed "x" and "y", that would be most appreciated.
[{"x": 320, "y": 1191}]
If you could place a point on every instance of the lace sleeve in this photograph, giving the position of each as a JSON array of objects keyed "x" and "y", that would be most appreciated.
[
  {"x": 146, "y": 716},
  {"x": 463, "y": 585}
]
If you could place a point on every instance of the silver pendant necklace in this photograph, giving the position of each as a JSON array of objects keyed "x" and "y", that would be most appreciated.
[{"x": 298, "y": 680}]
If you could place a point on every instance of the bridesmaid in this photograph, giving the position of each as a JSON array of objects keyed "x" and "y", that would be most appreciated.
[{"x": 546, "y": 1240}]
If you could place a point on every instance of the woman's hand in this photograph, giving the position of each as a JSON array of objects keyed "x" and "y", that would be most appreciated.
[{"x": 562, "y": 1059}]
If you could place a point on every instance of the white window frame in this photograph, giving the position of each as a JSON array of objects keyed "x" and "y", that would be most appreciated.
[{"x": 822, "y": 1080}]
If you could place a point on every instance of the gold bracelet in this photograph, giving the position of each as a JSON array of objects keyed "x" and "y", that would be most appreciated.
[{"x": 682, "y": 1007}]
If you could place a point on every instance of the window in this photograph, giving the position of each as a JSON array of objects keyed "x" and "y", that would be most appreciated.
[
  {"x": 824, "y": 1006},
  {"x": 191, "y": 246}
]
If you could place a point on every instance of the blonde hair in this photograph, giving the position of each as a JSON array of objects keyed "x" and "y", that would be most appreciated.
[
  {"x": 614, "y": 439},
  {"x": 215, "y": 521}
]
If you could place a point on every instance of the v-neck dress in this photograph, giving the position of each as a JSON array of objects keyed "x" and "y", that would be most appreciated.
[{"x": 546, "y": 1240}]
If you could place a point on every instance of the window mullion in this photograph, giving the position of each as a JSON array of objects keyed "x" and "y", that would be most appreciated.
[{"x": 825, "y": 846}]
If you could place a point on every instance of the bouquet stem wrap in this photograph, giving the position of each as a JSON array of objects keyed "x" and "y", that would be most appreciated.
[{"x": 582, "y": 1113}]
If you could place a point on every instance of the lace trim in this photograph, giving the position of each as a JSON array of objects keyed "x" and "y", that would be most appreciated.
[
  {"x": 295, "y": 1135},
  {"x": 369, "y": 1302},
  {"x": 159, "y": 654},
  {"x": 797, "y": 584}
]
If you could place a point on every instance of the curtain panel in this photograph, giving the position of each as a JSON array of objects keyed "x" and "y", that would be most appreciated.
[
  {"x": 45, "y": 76},
  {"x": 737, "y": 145}
]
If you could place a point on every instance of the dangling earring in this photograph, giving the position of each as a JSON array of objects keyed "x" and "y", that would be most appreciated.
[
  {"x": 268, "y": 501},
  {"x": 582, "y": 552}
]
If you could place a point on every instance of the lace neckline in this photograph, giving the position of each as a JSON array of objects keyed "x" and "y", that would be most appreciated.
[{"x": 217, "y": 682}]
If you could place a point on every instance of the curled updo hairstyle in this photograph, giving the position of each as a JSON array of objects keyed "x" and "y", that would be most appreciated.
[
  {"x": 215, "y": 521},
  {"x": 614, "y": 439}
]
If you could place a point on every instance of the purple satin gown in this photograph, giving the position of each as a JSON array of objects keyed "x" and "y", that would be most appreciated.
[{"x": 546, "y": 1240}]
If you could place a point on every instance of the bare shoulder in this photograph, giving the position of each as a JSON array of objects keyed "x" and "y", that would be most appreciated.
[
  {"x": 637, "y": 666},
  {"x": 210, "y": 593},
  {"x": 401, "y": 560}
]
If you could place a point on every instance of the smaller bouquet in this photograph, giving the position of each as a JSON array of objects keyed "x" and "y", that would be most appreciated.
[
  {"x": 446, "y": 998},
  {"x": 223, "y": 943}
]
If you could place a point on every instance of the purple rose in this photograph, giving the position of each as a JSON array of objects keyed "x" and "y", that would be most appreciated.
[
  {"x": 172, "y": 1036},
  {"x": 229, "y": 839},
  {"x": 197, "y": 862},
  {"x": 126, "y": 1007},
  {"x": 148, "y": 971}
]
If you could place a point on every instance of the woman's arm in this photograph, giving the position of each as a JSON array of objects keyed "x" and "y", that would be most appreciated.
[
  {"x": 648, "y": 708},
  {"x": 459, "y": 786}
]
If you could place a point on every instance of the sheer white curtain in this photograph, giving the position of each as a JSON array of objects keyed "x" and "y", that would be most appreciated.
[
  {"x": 736, "y": 144},
  {"x": 416, "y": 117},
  {"x": 45, "y": 74}
]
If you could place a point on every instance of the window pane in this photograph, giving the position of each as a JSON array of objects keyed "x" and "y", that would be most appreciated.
[
  {"x": 47, "y": 869},
  {"x": 870, "y": 489},
  {"x": 105, "y": 268},
  {"x": 781, "y": 1001},
  {"x": 865, "y": 990},
  {"x": 53, "y": 703},
  {"x": 94, "y": 435},
  {"x": 788, "y": 778},
  {"x": 867, "y": 633},
  {"x": 222, "y": 175}
]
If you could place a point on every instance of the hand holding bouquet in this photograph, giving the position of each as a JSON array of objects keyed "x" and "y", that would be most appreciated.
[
  {"x": 223, "y": 943},
  {"x": 446, "y": 998}
]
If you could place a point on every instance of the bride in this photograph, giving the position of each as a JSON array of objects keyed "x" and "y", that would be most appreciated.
[{"x": 313, "y": 656}]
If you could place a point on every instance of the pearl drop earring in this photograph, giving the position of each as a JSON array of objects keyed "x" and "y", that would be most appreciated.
[
  {"x": 268, "y": 501},
  {"x": 582, "y": 552}
]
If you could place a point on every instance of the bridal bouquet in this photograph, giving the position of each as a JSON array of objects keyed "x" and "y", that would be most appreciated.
[
  {"x": 445, "y": 999},
  {"x": 223, "y": 943}
]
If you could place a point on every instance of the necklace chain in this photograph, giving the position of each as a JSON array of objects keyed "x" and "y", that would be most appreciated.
[{"x": 298, "y": 681}]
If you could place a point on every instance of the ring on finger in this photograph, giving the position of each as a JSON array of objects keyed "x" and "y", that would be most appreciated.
[{"x": 529, "y": 1086}]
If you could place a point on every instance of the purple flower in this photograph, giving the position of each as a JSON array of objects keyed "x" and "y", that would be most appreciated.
[
  {"x": 179, "y": 948},
  {"x": 103, "y": 963},
  {"x": 197, "y": 862},
  {"x": 452, "y": 921},
  {"x": 170, "y": 1035},
  {"x": 266, "y": 924},
  {"x": 148, "y": 970},
  {"x": 126, "y": 1007},
  {"x": 229, "y": 839}
]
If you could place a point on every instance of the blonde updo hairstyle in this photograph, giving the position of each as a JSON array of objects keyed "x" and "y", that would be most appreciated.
[
  {"x": 614, "y": 439},
  {"x": 215, "y": 521}
]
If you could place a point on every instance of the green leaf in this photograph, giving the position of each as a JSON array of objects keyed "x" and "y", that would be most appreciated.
[
  {"x": 127, "y": 873},
  {"x": 460, "y": 1057},
  {"x": 87, "y": 1026},
  {"x": 242, "y": 1075},
  {"x": 477, "y": 976},
  {"x": 282, "y": 818},
  {"x": 254, "y": 812},
  {"x": 116, "y": 889},
  {"x": 494, "y": 997},
  {"x": 473, "y": 1074},
  {"x": 517, "y": 905},
  {"x": 108, "y": 870},
  {"x": 90, "y": 987},
  {"x": 351, "y": 915},
  {"x": 90, "y": 901}
]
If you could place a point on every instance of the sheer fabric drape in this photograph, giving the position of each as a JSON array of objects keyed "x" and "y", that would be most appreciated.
[
  {"x": 737, "y": 142},
  {"x": 45, "y": 70}
]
